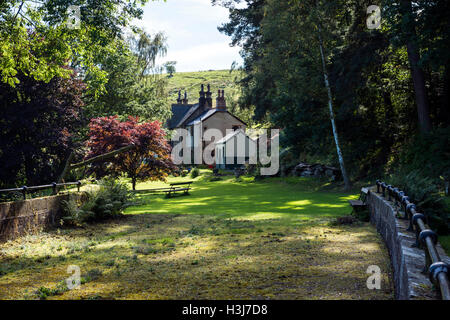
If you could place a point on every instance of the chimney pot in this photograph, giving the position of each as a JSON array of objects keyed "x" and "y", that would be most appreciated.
[
  {"x": 202, "y": 100},
  {"x": 220, "y": 101},
  {"x": 208, "y": 97}
]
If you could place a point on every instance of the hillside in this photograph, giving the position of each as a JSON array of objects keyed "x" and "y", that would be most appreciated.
[
  {"x": 191, "y": 81},
  {"x": 218, "y": 79}
]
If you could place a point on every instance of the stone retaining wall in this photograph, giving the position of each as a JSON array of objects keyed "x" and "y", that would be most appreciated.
[
  {"x": 30, "y": 216},
  {"x": 407, "y": 260}
]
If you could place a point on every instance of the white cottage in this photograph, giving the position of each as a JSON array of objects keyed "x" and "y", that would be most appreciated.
[
  {"x": 199, "y": 117},
  {"x": 234, "y": 150}
]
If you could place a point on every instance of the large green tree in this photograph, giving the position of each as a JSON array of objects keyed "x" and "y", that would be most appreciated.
[
  {"x": 135, "y": 86},
  {"x": 371, "y": 77},
  {"x": 39, "y": 126},
  {"x": 36, "y": 41}
]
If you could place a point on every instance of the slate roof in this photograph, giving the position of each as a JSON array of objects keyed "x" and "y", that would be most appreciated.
[
  {"x": 203, "y": 116},
  {"x": 186, "y": 116},
  {"x": 181, "y": 114},
  {"x": 178, "y": 113},
  {"x": 232, "y": 134}
]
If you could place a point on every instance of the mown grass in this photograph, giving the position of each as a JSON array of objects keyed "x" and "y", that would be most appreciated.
[
  {"x": 227, "y": 240},
  {"x": 273, "y": 198}
]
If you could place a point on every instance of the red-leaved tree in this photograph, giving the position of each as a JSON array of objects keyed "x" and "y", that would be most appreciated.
[{"x": 148, "y": 160}]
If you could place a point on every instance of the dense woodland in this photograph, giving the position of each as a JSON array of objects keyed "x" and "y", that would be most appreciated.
[
  {"x": 60, "y": 78},
  {"x": 380, "y": 97},
  {"x": 388, "y": 87}
]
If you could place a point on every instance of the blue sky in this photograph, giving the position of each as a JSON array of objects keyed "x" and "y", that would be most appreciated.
[{"x": 191, "y": 28}]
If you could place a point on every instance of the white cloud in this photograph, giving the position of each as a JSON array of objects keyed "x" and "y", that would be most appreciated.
[
  {"x": 191, "y": 27},
  {"x": 215, "y": 56}
]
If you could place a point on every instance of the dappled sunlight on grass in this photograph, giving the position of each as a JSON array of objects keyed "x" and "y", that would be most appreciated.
[
  {"x": 298, "y": 203},
  {"x": 329, "y": 205},
  {"x": 349, "y": 197},
  {"x": 244, "y": 199},
  {"x": 261, "y": 216},
  {"x": 227, "y": 240}
]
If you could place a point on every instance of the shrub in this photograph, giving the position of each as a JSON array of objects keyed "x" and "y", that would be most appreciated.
[
  {"x": 11, "y": 196},
  {"x": 43, "y": 292},
  {"x": 238, "y": 172},
  {"x": 213, "y": 179},
  {"x": 424, "y": 193},
  {"x": 428, "y": 155},
  {"x": 108, "y": 201},
  {"x": 346, "y": 220},
  {"x": 362, "y": 215},
  {"x": 422, "y": 170},
  {"x": 195, "y": 173}
]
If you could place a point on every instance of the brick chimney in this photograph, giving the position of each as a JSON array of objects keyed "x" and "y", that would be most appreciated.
[
  {"x": 209, "y": 97},
  {"x": 202, "y": 100},
  {"x": 185, "y": 100},
  {"x": 220, "y": 101}
]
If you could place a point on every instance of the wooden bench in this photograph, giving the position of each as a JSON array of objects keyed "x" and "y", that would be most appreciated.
[
  {"x": 360, "y": 204},
  {"x": 156, "y": 190},
  {"x": 175, "y": 187}
]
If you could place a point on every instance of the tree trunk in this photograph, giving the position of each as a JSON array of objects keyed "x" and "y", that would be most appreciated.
[
  {"x": 444, "y": 114},
  {"x": 133, "y": 183},
  {"x": 29, "y": 170},
  {"x": 66, "y": 167},
  {"x": 102, "y": 157},
  {"x": 333, "y": 125},
  {"x": 65, "y": 171},
  {"x": 423, "y": 109}
]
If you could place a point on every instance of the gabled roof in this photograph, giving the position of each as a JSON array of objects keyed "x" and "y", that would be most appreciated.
[
  {"x": 205, "y": 115},
  {"x": 178, "y": 113},
  {"x": 187, "y": 115},
  {"x": 232, "y": 134},
  {"x": 202, "y": 117}
]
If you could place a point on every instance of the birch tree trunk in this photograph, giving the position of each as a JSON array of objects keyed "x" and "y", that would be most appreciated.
[{"x": 333, "y": 124}]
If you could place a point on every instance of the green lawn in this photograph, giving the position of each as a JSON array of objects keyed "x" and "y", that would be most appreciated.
[
  {"x": 226, "y": 240},
  {"x": 269, "y": 199}
]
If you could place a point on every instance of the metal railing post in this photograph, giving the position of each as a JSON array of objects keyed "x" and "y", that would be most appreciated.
[
  {"x": 426, "y": 239},
  {"x": 24, "y": 192}
]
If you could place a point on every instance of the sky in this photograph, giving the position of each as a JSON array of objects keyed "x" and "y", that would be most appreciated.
[{"x": 191, "y": 28}]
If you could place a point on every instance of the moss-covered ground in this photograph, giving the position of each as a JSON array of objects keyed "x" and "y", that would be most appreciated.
[{"x": 228, "y": 239}]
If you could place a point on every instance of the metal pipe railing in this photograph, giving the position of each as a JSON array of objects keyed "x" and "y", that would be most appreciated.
[
  {"x": 426, "y": 238},
  {"x": 54, "y": 186}
]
